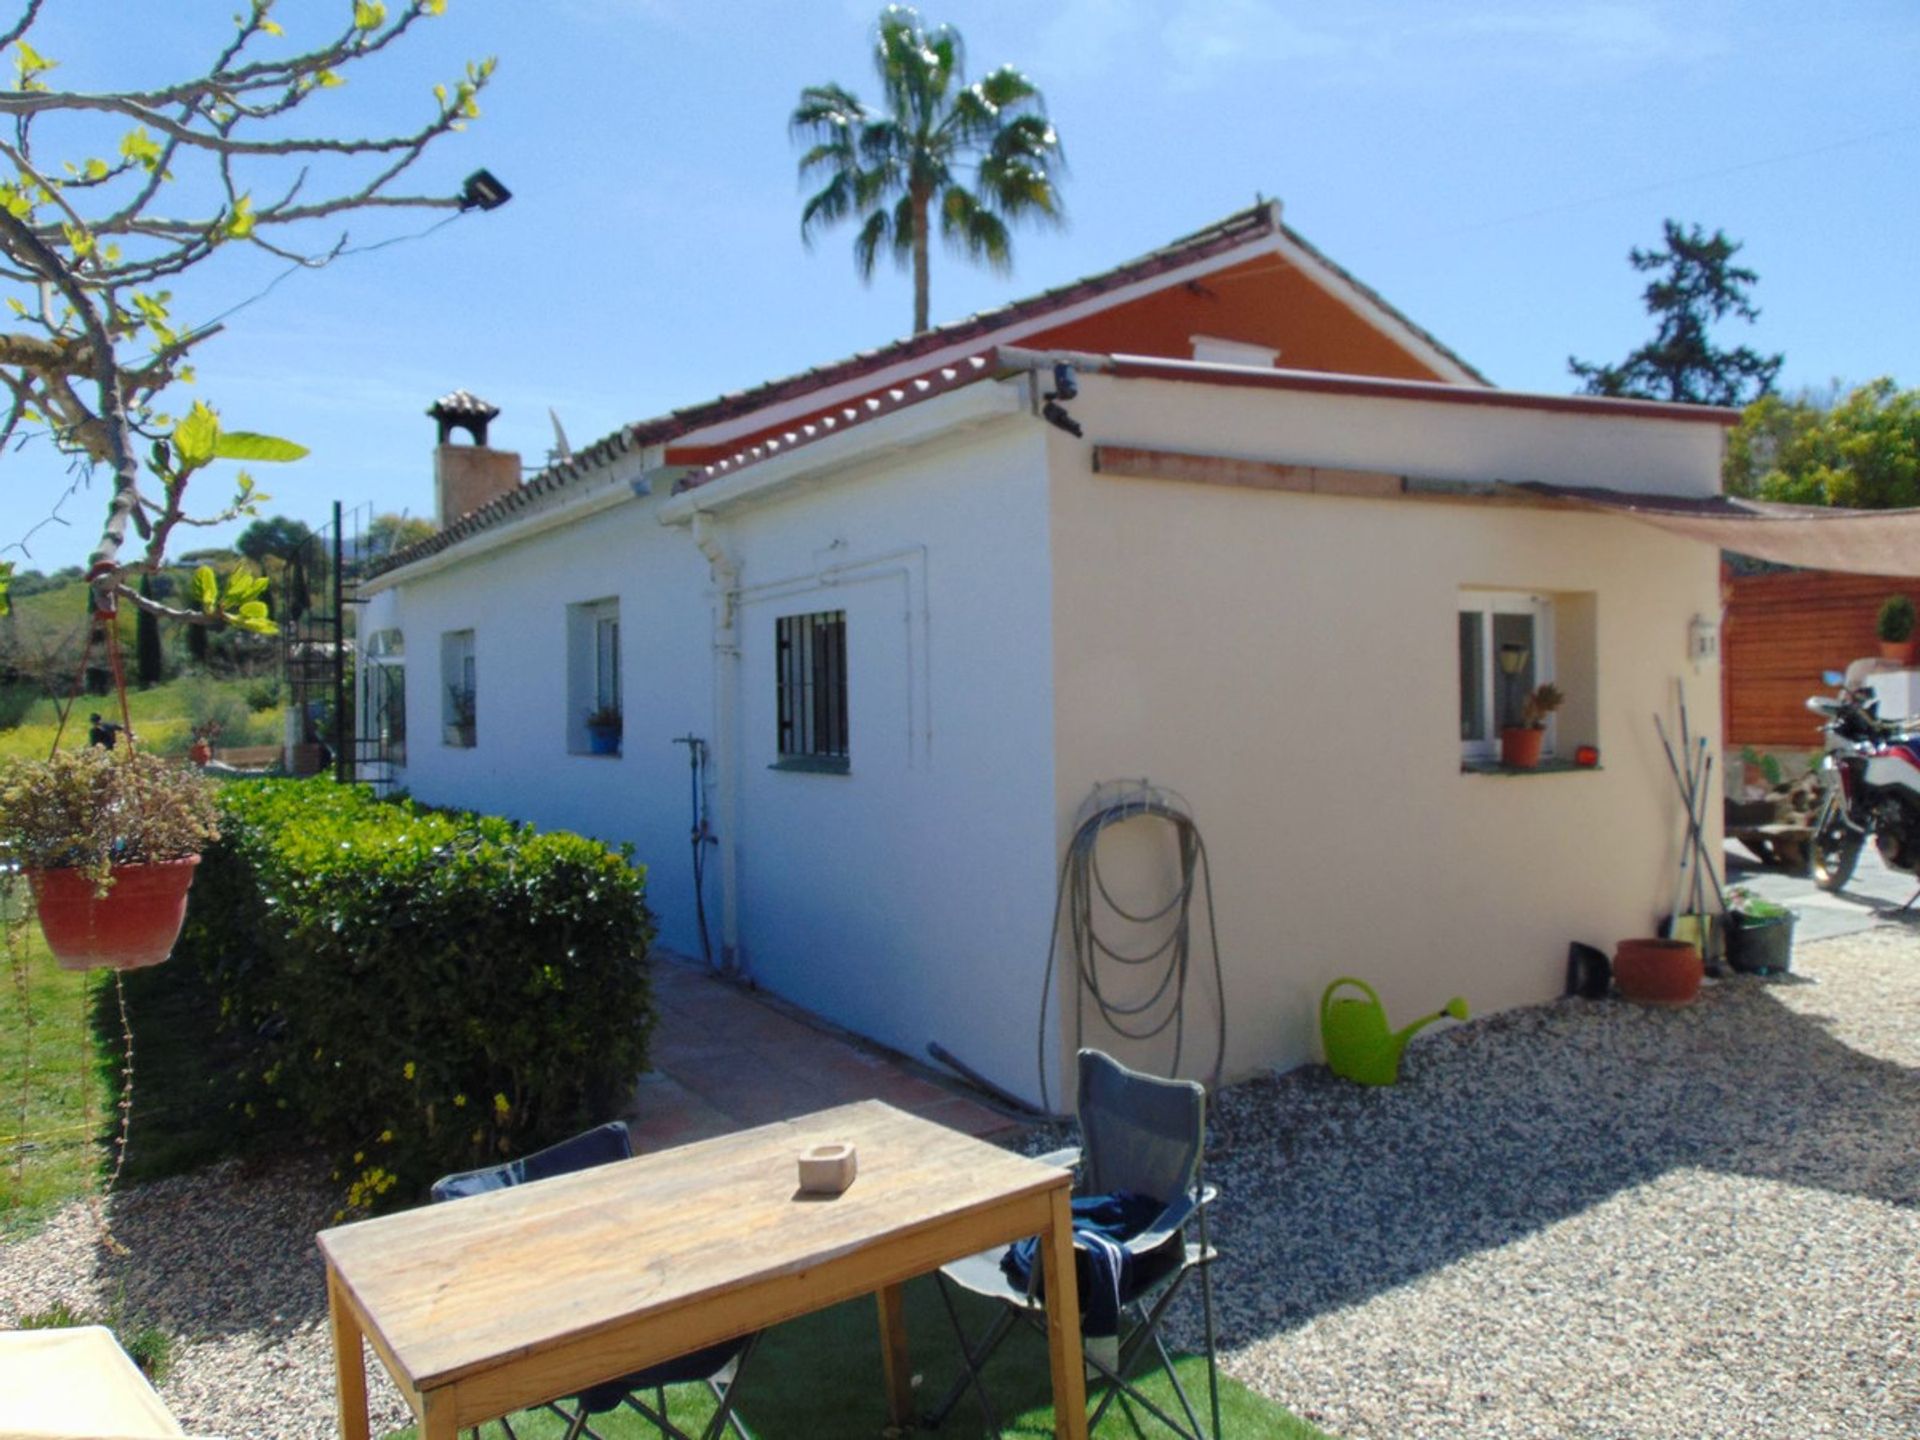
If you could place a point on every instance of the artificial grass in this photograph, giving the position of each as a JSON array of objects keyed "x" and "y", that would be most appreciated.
[{"x": 818, "y": 1378}]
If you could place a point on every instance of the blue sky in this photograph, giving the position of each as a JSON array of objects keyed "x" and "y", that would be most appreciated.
[{"x": 1485, "y": 164}]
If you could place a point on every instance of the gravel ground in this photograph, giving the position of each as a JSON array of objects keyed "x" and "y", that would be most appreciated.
[
  {"x": 1574, "y": 1222},
  {"x": 1593, "y": 1221}
]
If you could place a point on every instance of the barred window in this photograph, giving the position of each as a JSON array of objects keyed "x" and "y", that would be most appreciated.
[{"x": 810, "y": 657}]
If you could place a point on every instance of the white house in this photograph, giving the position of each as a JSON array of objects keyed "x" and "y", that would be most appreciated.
[{"x": 1220, "y": 521}]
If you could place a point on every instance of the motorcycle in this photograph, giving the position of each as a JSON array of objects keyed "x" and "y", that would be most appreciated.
[{"x": 1871, "y": 775}]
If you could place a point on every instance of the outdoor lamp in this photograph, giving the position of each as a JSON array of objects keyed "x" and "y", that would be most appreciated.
[
  {"x": 481, "y": 191},
  {"x": 1513, "y": 659}
]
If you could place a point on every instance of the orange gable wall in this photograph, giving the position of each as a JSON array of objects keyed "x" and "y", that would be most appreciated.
[{"x": 1262, "y": 301}]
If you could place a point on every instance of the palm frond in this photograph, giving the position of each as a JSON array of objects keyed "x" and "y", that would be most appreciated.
[
  {"x": 975, "y": 230},
  {"x": 877, "y": 231},
  {"x": 829, "y": 205}
]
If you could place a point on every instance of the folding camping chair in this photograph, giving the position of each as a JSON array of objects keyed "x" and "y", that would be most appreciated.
[
  {"x": 718, "y": 1366},
  {"x": 1143, "y": 1136}
]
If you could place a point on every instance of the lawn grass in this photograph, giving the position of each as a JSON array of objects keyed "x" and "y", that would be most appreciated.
[
  {"x": 54, "y": 1148},
  {"x": 818, "y": 1378},
  {"x": 51, "y": 1075},
  {"x": 163, "y": 717}
]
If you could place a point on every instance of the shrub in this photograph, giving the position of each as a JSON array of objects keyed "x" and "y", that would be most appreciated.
[
  {"x": 425, "y": 991},
  {"x": 1896, "y": 619}
]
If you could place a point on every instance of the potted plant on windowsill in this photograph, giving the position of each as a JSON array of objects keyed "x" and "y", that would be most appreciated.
[
  {"x": 1520, "y": 744},
  {"x": 1895, "y": 628},
  {"x": 109, "y": 841},
  {"x": 460, "y": 713},
  {"x": 603, "y": 730}
]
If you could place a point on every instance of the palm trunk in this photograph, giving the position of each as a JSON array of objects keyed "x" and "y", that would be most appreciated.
[{"x": 920, "y": 277}]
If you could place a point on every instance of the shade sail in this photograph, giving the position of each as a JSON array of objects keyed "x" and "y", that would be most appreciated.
[{"x": 1862, "y": 542}]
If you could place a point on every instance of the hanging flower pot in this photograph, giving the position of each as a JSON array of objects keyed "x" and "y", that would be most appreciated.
[
  {"x": 1658, "y": 972},
  {"x": 109, "y": 841},
  {"x": 133, "y": 923}
]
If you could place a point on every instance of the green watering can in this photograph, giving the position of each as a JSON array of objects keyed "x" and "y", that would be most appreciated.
[{"x": 1360, "y": 1047}]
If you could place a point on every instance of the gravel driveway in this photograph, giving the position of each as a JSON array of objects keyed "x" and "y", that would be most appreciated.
[{"x": 1579, "y": 1220}]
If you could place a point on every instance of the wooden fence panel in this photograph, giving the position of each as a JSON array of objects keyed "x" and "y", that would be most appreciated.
[{"x": 1781, "y": 631}]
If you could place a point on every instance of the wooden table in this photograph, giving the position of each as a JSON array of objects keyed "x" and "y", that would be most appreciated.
[{"x": 484, "y": 1306}]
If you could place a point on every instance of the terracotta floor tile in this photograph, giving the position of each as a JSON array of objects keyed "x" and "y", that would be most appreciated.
[{"x": 726, "y": 1058}]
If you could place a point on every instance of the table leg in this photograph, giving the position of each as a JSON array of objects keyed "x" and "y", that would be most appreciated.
[
  {"x": 349, "y": 1363},
  {"x": 436, "y": 1421},
  {"x": 895, "y": 1362},
  {"x": 1063, "y": 1322}
]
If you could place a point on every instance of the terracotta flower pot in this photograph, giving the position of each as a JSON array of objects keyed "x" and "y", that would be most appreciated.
[
  {"x": 200, "y": 752},
  {"x": 1900, "y": 652},
  {"x": 1520, "y": 747},
  {"x": 134, "y": 924},
  {"x": 1658, "y": 972}
]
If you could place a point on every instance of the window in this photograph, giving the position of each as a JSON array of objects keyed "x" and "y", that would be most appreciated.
[
  {"x": 384, "y": 736},
  {"x": 459, "y": 693},
  {"x": 595, "y": 708},
  {"x": 1506, "y": 649},
  {"x": 1211, "y": 350},
  {"x": 810, "y": 659}
]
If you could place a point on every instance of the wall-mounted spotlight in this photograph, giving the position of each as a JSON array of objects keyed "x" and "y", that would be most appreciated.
[{"x": 481, "y": 191}]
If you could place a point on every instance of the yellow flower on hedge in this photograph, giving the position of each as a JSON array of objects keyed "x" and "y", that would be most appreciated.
[
  {"x": 500, "y": 1104},
  {"x": 386, "y": 1137},
  {"x": 406, "y": 1071},
  {"x": 459, "y": 1100}
]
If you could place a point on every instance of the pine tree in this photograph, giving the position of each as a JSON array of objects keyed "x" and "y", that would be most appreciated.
[{"x": 1697, "y": 285}]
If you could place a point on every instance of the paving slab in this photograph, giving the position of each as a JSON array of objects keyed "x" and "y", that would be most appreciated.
[
  {"x": 727, "y": 1058},
  {"x": 1870, "y": 900}
]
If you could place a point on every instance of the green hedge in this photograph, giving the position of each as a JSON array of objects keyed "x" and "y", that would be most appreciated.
[{"x": 424, "y": 991}]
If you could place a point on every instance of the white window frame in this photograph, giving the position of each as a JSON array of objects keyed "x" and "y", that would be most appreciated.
[
  {"x": 593, "y": 666},
  {"x": 1487, "y": 604},
  {"x": 457, "y": 668}
]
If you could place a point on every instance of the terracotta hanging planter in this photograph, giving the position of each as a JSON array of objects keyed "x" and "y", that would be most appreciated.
[
  {"x": 134, "y": 924},
  {"x": 1658, "y": 972}
]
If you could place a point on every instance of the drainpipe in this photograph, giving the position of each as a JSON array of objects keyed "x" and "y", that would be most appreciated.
[{"x": 726, "y": 745}]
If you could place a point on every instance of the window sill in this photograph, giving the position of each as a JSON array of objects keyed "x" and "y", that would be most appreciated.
[
  {"x": 1549, "y": 765},
  {"x": 595, "y": 754},
  {"x": 813, "y": 764}
]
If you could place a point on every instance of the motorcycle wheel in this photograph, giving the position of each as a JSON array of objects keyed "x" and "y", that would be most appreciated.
[{"x": 1836, "y": 845}]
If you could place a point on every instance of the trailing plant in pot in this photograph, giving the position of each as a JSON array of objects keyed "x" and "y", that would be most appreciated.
[
  {"x": 603, "y": 730},
  {"x": 1895, "y": 628},
  {"x": 1520, "y": 744},
  {"x": 109, "y": 840}
]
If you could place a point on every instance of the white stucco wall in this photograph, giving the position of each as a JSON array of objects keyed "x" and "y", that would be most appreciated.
[
  {"x": 907, "y": 898},
  {"x": 515, "y": 598},
  {"x": 1290, "y": 664}
]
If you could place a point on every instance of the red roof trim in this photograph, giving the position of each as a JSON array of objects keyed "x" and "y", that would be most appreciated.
[{"x": 1140, "y": 367}]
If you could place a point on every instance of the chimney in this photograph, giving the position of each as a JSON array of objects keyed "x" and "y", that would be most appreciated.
[{"x": 465, "y": 477}]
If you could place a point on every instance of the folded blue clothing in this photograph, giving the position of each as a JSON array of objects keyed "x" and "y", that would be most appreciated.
[{"x": 1102, "y": 1265}]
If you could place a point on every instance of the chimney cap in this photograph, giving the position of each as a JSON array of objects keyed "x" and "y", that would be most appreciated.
[{"x": 464, "y": 410}]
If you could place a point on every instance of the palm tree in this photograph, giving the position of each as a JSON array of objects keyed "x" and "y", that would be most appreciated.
[{"x": 895, "y": 167}]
